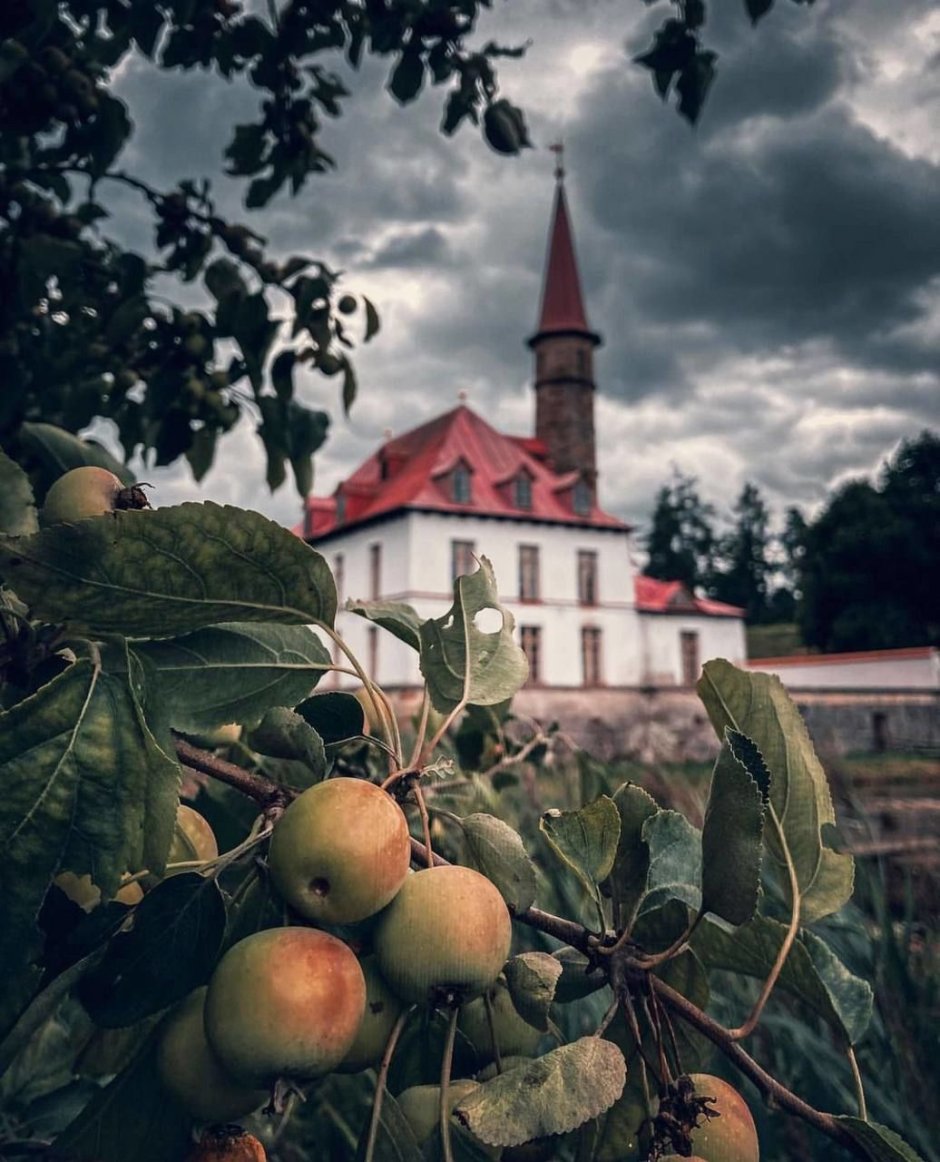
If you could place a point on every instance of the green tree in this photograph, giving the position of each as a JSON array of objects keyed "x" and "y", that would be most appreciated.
[
  {"x": 681, "y": 542},
  {"x": 872, "y": 556},
  {"x": 742, "y": 577}
]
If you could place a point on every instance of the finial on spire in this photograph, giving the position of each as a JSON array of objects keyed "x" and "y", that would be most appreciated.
[
  {"x": 462, "y": 396},
  {"x": 387, "y": 434},
  {"x": 558, "y": 149}
]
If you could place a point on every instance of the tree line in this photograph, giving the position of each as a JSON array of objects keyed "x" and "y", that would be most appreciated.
[{"x": 859, "y": 574}]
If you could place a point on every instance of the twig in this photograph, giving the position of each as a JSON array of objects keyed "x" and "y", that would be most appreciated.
[
  {"x": 381, "y": 1079},
  {"x": 263, "y": 790},
  {"x": 446, "y": 1065}
]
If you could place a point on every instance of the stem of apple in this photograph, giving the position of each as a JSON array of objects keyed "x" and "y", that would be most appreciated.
[
  {"x": 381, "y": 1079},
  {"x": 446, "y": 1066}
]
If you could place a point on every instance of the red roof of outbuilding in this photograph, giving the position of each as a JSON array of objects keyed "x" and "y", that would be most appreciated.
[
  {"x": 655, "y": 596},
  {"x": 417, "y": 468},
  {"x": 562, "y": 304}
]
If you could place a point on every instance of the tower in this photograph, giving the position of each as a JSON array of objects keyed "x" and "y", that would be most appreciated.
[{"x": 564, "y": 353}]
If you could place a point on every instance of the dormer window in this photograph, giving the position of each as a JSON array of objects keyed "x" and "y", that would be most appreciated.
[
  {"x": 460, "y": 485},
  {"x": 582, "y": 498},
  {"x": 340, "y": 509},
  {"x": 522, "y": 491}
]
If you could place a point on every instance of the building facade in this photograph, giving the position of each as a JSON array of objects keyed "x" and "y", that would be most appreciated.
[{"x": 420, "y": 510}]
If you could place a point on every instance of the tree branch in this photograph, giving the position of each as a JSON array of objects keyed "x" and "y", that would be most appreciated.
[{"x": 263, "y": 790}]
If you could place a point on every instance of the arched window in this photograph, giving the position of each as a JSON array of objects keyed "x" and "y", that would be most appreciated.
[
  {"x": 581, "y": 498},
  {"x": 461, "y": 485}
]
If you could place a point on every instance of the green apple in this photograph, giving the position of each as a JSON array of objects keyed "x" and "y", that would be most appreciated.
[
  {"x": 383, "y": 1008},
  {"x": 80, "y": 493},
  {"x": 193, "y": 838},
  {"x": 83, "y": 891},
  {"x": 515, "y": 1037},
  {"x": 284, "y": 1003},
  {"x": 340, "y": 851},
  {"x": 732, "y": 1135},
  {"x": 421, "y": 1105},
  {"x": 190, "y": 1071},
  {"x": 447, "y": 931}
]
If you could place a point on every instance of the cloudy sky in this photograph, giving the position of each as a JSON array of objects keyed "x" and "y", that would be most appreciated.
[{"x": 768, "y": 285}]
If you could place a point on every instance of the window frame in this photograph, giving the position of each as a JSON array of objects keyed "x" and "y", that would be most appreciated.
[
  {"x": 530, "y": 573},
  {"x": 459, "y": 548},
  {"x": 588, "y": 587},
  {"x": 530, "y": 640},
  {"x": 592, "y": 656}
]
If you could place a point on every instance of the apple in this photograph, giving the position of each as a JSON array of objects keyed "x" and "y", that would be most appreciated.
[
  {"x": 284, "y": 1003},
  {"x": 515, "y": 1037},
  {"x": 340, "y": 851},
  {"x": 730, "y": 1137},
  {"x": 83, "y": 891},
  {"x": 190, "y": 1071},
  {"x": 447, "y": 931},
  {"x": 193, "y": 838},
  {"x": 227, "y": 1144},
  {"x": 421, "y": 1105},
  {"x": 80, "y": 493},
  {"x": 383, "y": 1008}
]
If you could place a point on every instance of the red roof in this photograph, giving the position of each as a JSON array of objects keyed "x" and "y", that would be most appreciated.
[
  {"x": 414, "y": 471},
  {"x": 654, "y": 596},
  {"x": 562, "y": 304},
  {"x": 902, "y": 653}
]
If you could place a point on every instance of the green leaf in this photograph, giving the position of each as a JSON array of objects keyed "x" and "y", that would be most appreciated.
[
  {"x": 17, "y": 511},
  {"x": 284, "y": 734},
  {"x": 732, "y": 840},
  {"x": 459, "y": 660},
  {"x": 397, "y": 617},
  {"x": 336, "y": 716},
  {"x": 223, "y": 278},
  {"x": 675, "y": 868},
  {"x": 586, "y": 839},
  {"x": 372, "y": 320},
  {"x": 171, "y": 949},
  {"x": 554, "y": 1094},
  {"x": 169, "y": 571},
  {"x": 627, "y": 882},
  {"x": 497, "y": 851},
  {"x": 532, "y": 978},
  {"x": 407, "y": 76},
  {"x": 232, "y": 673},
  {"x": 58, "y": 451},
  {"x": 686, "y": 974},
  {"x": 130, "y": 1118},
  {"x": 758, "y": 706},
  {"x": 812, "y": 973},
  {"x": 880, "y": 1143},
  {"x": 578, "y": 977},
  {"x": 350, "y": 386},
  {"x": 86, "y": 789}
]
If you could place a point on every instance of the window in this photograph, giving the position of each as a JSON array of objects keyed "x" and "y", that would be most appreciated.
[
  {"x": 461, "y": 485},
  {"x": 340, "y": 509},
  {"x": 591, "y": 655},
  {"x": 581, "y": 498},
  {"x": 529, "y": 573},
  {"x": 688, "y": 646},
  {"x": 587, "y": 577},
  {"x": 339, "y": 576},
  {"x": 522, "y": 491},
  {"x": 375, "y": 571},
  {"x": 530, "y": 637},
  {"x": 461, "y": 559}
]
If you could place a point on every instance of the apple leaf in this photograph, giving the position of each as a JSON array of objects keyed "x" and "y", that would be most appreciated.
[
  {"x": 171, "y": 949},
  {"x": 627, "y": 881},
  {"x": 58, "y": 451},
  {"x": 579, "y": 978},
  {"x": 460, "y": 660},
  {"x": 130, "y": 1118},
  {"x": 758, "y": 706},
  {"x": 17, "y": 510},
  {"x": 497, "y": 851},
  {"x": 554, "y": 1094},
  {"x": 335, "y": 715},
  {"x": 586, "y": 839},
  {"x": 880, "y": 1143},
  {"x": 397, "y": 617},
  {"x": 531, "y": 978},
  {"x": 675, "y": 867},
  {"x": 169, "y": 572},
  {"x": 732, "y": 838},
  {"x": 686, "y": 974},
  {"x": 86, "y": 789},
  {"x": 284, "y": 734},
  {"x": 232, "y": 673},
  {"x": 812, "y": 973}
]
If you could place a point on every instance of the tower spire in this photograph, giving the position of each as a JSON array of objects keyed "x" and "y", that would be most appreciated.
[{"x": 564, "y": 350}]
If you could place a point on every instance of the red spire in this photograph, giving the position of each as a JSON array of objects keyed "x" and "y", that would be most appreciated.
[{"x": 562, "y": 305}]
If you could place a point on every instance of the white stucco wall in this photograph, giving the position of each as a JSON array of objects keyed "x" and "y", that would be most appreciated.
[
  {"x": 416, "y": 561},
  {"x": 888, "y": 670}
]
